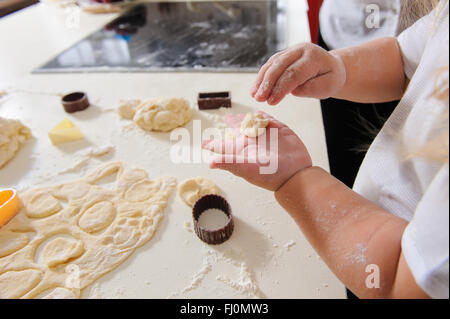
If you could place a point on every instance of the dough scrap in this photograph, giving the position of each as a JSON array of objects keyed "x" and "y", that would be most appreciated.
[
  {"x": 14, "y": 284},
  {"x": 254, "y": 125},
  {"x": 193, "y": 189},
  {"x": 94, "y": 230},
  {"x": 161, "y": 114},
  {"x": 13, "y": 134},
  {"x": 61, "y": 293}
]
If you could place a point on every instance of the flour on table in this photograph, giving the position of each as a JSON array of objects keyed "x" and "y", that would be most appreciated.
[
  {"x": 13, "y": 134},
  {"x": 99, "y": 151},
  {"x": 76, "y": 166},
  {"x": 199, "y": 276},
  {"x": 3, "y": 93},
  {"x": 187, "y": 226},
  {"x": 244, "y": 285},
  {"x": 193, "y": 189},
  {"x": 85, "y": 231},
  {"x": 84, "y": 159},
  {"x": 161, "y": 114},
  {"x": 289, "y": 244},
  {"x": 254, "y": 125}
]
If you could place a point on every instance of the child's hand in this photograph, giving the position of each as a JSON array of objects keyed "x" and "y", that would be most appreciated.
[
  {"x": 287, "y": 152},
  {"x": 305, "y": 71}
]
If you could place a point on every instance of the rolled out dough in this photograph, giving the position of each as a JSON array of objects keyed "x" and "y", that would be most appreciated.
[
  {"x": 13, "y": 135},
  {"x": 162, "y": 114},
  {"x": 193, "y": 189},
  {"x": 82, "y": 230},
  {"x": 254, "y": 125}
]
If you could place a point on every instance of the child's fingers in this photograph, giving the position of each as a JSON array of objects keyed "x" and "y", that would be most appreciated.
[
  {"x": 294, "y": 76},
  {"x": 274, "y": 72},
  {"x": 223, "y": 160},
  {"x": 226, "y": 146},
  {"x": 236, "y": 165},
  {"x": 217, "y": 146},
  {"x": 262, "y": 72}
]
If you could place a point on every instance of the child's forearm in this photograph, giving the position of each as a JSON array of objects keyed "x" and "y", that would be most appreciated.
[
  {"x": 374, "y": 70},
  {"x": 348, "y": 231}
]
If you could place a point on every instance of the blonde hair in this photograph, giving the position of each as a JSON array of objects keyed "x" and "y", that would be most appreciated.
[
  {"x": 437, "y": 149},
  {"x": 413, "y": 10}
]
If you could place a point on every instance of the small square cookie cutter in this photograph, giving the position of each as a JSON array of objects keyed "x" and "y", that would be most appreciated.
[{"x": 214, "y": 100}]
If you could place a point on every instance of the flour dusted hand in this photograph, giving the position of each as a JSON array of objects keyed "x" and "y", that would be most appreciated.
[
  {"x": 305, "y": 70},
  {"x": 241, "y": 156}
]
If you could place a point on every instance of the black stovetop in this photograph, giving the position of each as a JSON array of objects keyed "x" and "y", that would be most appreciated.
[{"x": 234, "y": 36}]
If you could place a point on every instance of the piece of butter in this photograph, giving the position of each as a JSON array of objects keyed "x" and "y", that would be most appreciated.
[{"x": 64, "y": 132}]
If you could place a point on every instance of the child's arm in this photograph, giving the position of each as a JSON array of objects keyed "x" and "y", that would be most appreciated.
[
  {"x": 347, "y": 231},
  {"x": 371, "y": 72}
]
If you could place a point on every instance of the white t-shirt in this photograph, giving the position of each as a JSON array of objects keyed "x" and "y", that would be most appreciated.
[
  {"x": 414, "y": 188},
  {"x": 343, "y": 22}
]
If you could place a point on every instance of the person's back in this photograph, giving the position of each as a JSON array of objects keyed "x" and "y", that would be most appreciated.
[{"x": 345, "y": 23}]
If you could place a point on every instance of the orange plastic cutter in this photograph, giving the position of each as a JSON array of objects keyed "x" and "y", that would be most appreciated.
[{"x": 9, "y": 206}]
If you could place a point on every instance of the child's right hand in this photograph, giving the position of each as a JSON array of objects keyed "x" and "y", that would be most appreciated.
[{"x": 305, "y": 70}]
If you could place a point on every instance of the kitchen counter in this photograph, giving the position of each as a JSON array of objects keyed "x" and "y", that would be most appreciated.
[{"x": 266, "y": 240}]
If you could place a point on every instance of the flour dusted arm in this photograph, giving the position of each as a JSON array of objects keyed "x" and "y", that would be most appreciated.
[{"x": 350, "y": 233}]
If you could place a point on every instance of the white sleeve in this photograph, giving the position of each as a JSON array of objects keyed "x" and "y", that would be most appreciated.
[
  {"x": 413, "y": 42},
  {"x": 425, "y": 242}
]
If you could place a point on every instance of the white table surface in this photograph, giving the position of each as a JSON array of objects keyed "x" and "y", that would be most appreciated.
[{"x": 167, "y": 264}]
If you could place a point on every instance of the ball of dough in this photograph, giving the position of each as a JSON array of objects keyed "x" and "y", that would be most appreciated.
[
  {"x": 13, "y": 135},
  {"x": 128, "y": 108},
  {"x": 254, "y": 125},
  {"x": 163, "y": 114},
  {"x": 193, "y": 189}
]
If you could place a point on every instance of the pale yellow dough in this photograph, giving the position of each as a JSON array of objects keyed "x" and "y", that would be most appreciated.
[
  {"x": 162, "y": 114},
  {"x": 81, "y": 229},
  {"x": 254, "y": 125},
  {"x": 13, "y": 135},
  {"x": 193, "y": 189}
]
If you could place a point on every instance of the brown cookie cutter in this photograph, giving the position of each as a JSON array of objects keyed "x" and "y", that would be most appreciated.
[
  {"x": 214, "y": 100},
  {"x": 216, "y": 236},
  {"x": 75, "y": 102}
]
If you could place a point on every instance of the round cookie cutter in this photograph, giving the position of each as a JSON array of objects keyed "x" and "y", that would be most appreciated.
[
  {"x": 216, "y": 236},
  {"x": 75, "y": 102},
  {"x": 9, "y": 206}
]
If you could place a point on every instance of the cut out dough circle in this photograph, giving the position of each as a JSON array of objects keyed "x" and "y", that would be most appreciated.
[{"x": 193, "y": 189}]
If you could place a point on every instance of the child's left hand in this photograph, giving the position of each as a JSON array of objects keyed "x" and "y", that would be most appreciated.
[{"x": 288, "y": 153}]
